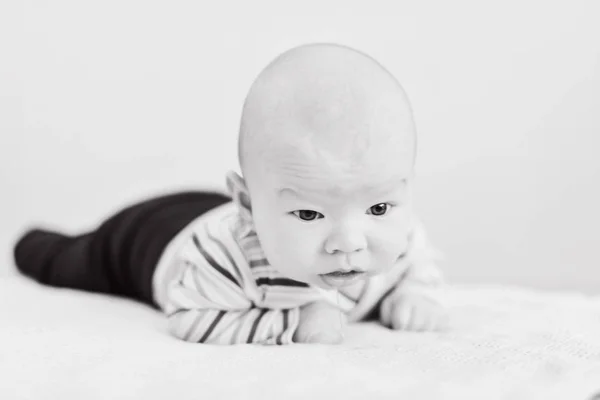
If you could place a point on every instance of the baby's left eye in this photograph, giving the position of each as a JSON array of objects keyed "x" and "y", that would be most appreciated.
[{"x": 379, "y": 209}]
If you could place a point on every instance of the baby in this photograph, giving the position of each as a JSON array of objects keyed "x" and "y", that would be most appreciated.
[{"x": 319, "y": 229}]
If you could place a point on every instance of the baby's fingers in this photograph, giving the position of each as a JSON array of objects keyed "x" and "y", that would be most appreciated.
[
  {"x": 417, "y": 314},
  {"x": 402, "y": 316},
  {"x": 419, "y": 320}
]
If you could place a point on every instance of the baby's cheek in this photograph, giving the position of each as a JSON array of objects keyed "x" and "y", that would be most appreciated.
[
  {"x": 302, "y": 246},
  {"x": 288, "y": 247},
  {"x": 392, "y": 236},
  {"x": 389, "y": 245}
]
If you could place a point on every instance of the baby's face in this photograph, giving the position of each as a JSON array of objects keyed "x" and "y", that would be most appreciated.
[
  {"x": 327, "y": 150},
  {"x": 328, "y": 222}
]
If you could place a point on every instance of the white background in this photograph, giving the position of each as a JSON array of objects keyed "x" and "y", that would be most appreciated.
[{"x": 103, "y": 103}]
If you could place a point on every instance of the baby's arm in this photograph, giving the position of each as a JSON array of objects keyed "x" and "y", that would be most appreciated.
[
  {"x": 207, "y": 303},
  {"x": 415, "y": 303}
]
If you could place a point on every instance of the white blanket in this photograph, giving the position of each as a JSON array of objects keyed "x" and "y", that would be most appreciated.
[{"x": 504, "y": 343}]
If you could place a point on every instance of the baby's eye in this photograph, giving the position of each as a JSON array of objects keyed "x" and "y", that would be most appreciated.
[
  {"x": 307, "y": 215},
  {"x": 379, "y": 209}
]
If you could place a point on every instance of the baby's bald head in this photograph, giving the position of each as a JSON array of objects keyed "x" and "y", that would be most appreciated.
[{"x": 325, "y": 100}]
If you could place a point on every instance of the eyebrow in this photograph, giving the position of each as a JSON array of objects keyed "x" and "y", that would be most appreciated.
[
  {"x": 287, "y": 191},
  {"x": 379, "y": 189}
]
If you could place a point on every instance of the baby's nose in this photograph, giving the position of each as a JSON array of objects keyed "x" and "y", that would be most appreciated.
[{"x": 346, "y": 240}]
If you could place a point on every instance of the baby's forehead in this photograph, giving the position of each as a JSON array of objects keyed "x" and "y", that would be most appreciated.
[
  {"x": 356, "y": 149},
  {"x": 310, "y": 174}
]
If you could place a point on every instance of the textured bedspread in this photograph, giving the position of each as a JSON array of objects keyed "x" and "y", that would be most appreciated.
[{"x": 504, "y": 343}]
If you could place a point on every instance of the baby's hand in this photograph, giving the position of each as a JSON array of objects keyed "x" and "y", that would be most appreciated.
[
  {"x": 320, "y": 323},
  {"x": 411, "y": 309}
]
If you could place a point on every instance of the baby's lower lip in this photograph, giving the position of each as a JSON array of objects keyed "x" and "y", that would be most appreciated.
[{"x": 341, "y": 278}]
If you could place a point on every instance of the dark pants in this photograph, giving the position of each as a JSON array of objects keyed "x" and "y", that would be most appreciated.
[{"x": 120, "y": 256}]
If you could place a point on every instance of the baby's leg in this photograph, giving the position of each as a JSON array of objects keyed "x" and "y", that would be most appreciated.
[{"x": 120, "y": 256}]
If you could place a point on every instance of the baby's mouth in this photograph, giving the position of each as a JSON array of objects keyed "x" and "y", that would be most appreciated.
[{"x": 341, "y": 278}]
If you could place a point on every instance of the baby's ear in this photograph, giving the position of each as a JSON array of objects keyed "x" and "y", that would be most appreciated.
[{"x": 239, "y": 193}]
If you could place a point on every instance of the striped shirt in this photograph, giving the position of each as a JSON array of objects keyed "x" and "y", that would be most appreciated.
[{"x": 216, "y": 286}]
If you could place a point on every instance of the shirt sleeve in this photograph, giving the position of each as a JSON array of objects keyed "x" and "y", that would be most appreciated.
[
  {"x": 422, "y": 258},
  {"x": 207, "y": 303}
]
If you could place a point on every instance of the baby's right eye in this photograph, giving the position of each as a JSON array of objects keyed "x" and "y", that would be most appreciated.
[{"x": 308, "y": 215}]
